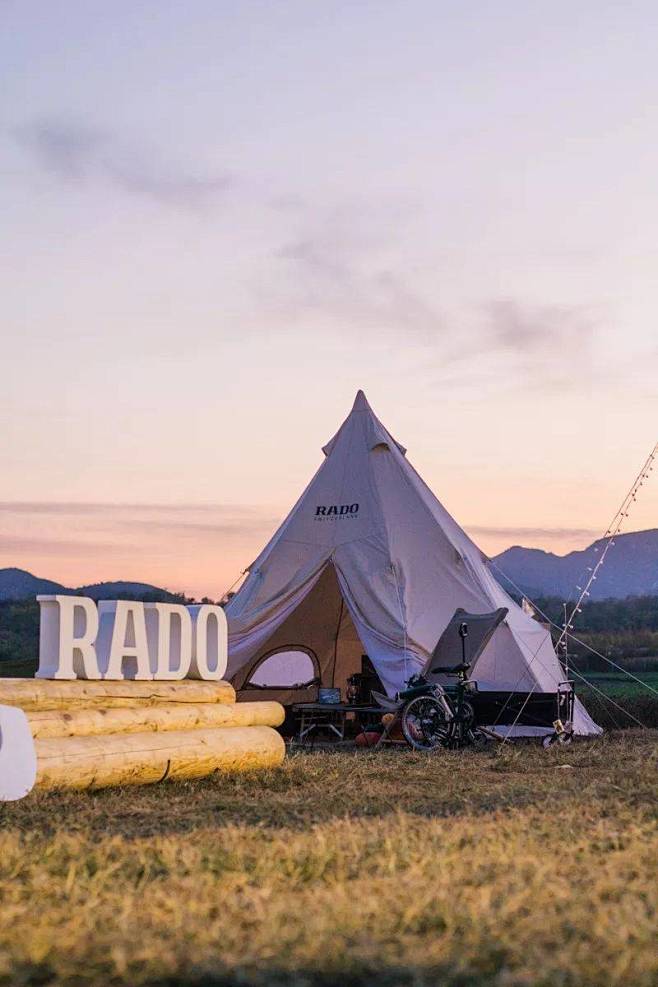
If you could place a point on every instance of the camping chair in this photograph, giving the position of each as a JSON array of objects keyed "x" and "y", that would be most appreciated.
[{"x": 452, "y": 655}]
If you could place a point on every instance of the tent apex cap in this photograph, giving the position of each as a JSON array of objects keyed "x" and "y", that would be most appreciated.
[{"x": 360, "y": 402}]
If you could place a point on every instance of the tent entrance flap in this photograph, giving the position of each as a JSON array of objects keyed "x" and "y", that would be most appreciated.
[{"x": 320, "y": 627}]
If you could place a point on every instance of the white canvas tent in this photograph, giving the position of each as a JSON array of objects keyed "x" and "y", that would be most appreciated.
[{"x": 369, "y": 561}]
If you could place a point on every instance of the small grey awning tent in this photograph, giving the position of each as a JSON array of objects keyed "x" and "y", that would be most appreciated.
[{"x": 368, "y": 561}]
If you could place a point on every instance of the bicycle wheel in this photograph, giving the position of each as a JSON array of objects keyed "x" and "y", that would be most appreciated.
[
  {"x": 559, "y": 739},
  {"x": 425, "y": 724}
]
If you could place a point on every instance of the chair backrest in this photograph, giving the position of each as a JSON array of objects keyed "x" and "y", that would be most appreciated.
[{"x": 448, "y": 650}]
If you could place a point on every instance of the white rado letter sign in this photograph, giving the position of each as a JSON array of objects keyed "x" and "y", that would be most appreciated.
[{"x": 126, "y": 640}]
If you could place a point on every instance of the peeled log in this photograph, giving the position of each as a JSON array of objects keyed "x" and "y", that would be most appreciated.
[
  {"x": 168, "y": 716},
  {"x": 144, "y": 758},
  {"x": 43, "y": 694}
]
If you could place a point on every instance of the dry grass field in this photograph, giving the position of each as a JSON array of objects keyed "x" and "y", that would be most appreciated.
[{"x": 508, "y": 868}]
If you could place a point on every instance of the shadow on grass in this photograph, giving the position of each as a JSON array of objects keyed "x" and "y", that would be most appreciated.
[
  {"x": 489, "y": 967},
  {"x": 386, "y": 976}
]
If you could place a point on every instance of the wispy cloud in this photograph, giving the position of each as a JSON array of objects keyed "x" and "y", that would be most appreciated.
[
  {"x": 507, "y": 340},
  {"x": 201, "y": 547},
  {"x": 172, "y": 519},
  {"x": 16, "y": 547},
  {"x": 238, "y": 525},
  {"x": 342, "y": 268},
  {"x": 532, "y": 534},
  {"x": 101, "y": 507},
  {"x": 537, "y": 329},
  {"x": 336, "y": 271},
  {"x": 79, "y": 154}
]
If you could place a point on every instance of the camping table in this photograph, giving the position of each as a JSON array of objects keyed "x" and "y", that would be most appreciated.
[{"x": 332, "y": 716}]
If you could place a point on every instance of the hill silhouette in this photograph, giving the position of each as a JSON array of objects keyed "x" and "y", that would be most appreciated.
[
  {"x": 18, "y": 584},
  {"x": 630, "y": 569}
]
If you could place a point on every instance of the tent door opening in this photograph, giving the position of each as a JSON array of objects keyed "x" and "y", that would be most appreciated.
[{"x": 319, "y": 634}]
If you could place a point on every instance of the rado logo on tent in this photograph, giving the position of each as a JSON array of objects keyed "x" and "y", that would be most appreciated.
[{"x": 336, "y": 512}]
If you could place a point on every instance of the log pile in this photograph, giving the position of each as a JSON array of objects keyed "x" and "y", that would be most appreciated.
[{"x": 90, "y": 734}]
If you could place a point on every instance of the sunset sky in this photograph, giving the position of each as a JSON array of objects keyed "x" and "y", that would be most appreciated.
[{"x": 221, "y": 219}]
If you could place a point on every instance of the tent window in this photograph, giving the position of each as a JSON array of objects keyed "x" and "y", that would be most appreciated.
[{"x": 290, "y": 668}]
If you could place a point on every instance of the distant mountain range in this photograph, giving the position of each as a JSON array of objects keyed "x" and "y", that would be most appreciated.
[
  {"x": 630, "y": 568},
  {"x": 17, "y": 584}
]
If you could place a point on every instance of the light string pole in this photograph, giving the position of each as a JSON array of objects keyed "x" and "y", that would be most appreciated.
[{"x": 565, "y": 644}]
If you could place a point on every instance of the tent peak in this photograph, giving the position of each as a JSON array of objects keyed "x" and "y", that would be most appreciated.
[
  {"x": 376, "y": 436},
  {"x": 360, "y": 402}
]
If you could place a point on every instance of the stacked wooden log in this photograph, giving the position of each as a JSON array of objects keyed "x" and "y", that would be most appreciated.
[{"x": 95, "y": 734}]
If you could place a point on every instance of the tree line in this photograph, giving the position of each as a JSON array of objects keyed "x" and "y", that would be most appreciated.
[{"x": 619, "y": 629}]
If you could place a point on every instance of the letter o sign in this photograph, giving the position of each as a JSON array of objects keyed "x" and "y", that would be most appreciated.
[{"x": 209, "y": 642}]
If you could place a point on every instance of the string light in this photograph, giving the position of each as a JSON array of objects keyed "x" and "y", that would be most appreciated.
[{"x": 611, "y": 532}]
